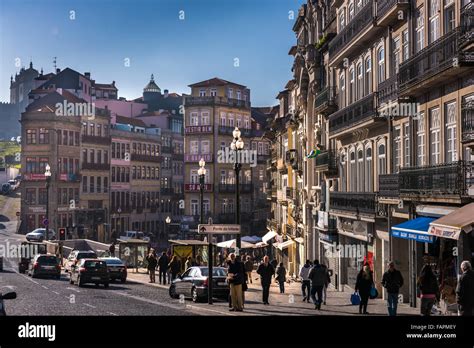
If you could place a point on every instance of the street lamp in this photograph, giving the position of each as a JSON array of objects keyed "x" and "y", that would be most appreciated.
[
  {"x": 119, "y": 211},
  {"x": 202, "y": 176},
  {"x": 236, "y": 146},
  {"x": 168, "y": 221},
  {"x": 47, "y": 174}
]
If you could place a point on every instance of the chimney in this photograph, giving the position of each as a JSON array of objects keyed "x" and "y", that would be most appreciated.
[
  {"x": 87, "y": 75},
  {"x": 58, "y": 70},
  {"x": 113, "y": 83},
  {"x": 166, "y": 93}
]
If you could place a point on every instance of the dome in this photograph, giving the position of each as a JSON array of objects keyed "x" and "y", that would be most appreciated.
[{"x": 152, "y": 86}]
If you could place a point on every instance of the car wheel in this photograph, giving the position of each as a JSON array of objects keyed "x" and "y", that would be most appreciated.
[
  {"x": 40, "y": 239},
  {"x": 106, "y": 285},
  {"x": 172, "y": 292},
  {"x": 195, "y": 295}
]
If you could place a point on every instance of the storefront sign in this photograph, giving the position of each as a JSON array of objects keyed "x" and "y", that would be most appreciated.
[
  {"x": 328, "y": 237},
  {"x": 426, "y": 238},
  {"x": 445, "y": 232}
]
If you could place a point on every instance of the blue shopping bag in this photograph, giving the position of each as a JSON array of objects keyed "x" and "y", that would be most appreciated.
[
  {"x": 355, "y": 298},
  {"x": 373, "y": 293}
]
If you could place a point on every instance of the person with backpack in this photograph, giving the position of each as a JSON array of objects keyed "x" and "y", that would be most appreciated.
[
  {"x": 392, "y": 280},
  {"x": 429, "y": 290},
  {"x": 305, "y": 282}
]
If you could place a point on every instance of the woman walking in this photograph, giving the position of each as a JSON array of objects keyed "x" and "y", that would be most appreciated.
[
  {"x": 281, "y": 277},
  {"x": 363, "y": 285},
  {"x": 174, "y": 266},
  {"x": 429, "y": 290}
]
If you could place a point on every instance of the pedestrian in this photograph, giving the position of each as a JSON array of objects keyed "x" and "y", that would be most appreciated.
[
  {"x": 429, "y": 290},
  {"x": 151, "y": 265},
  {"x": 326, "y": 284},
  {"x": 305, "y": 282},
  {"x": 188, "y": 263},
  {"x": 249, "y": 268},
  {"x": 168, "y": 272},
  {"x": 274, "y": 264},
  {"x": 198, "y": 259},
  {"x": 318, "y": 277},
  {"x": 244, "y": 284},
  {"x": 162, "y": 268},
  {"x": 174, "y": 267},
  {"x": 266, "y": 271},
  {"x": 236, "y": 278},
  {"x": 363, "y": 285},
  {"x": 392, "y": 280},
  {"x": 112, "y": 249},
  {"x": 465, "y": 290},
  {"x": 281, "y": 277}
]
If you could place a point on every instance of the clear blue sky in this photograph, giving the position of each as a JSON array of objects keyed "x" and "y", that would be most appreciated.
[{"x": 151, "y": 35}]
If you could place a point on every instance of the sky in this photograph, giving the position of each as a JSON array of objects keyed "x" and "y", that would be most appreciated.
[{"x": 243, "y": 41}]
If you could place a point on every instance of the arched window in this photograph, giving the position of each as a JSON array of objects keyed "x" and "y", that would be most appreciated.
[
  {"x": 381, "y": 64},
  {"x": 342, "y": 90},
  {"x": 368, "y": 76},
  {"x": 343, "y": 170},
  {"x": 342, "y": 19},
  {"x": 352, "y": 97},
  {"x": 360, "y": 171},
  {"x": 353, "y": 172},
  {"x": 360, "y": 82},
  {"x": 351, "y": 11},
  {"x": 382, "y": 159},
  {"x": 368, "y": 170}
]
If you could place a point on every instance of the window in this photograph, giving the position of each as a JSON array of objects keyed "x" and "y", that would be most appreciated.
[
  {"x": 420, "y": 140},
  {"x": 205, "y": 120},
  {"x": 368, "y": 170},
  {"x": 396, "y": 54},
  {"x": 91, "y": 184},
  {"x": 420, "y": 29},
  {"x": 43, "y": 136},
  {"x": 202, "y": 92},
  {"x": 450, "y": 115},
  {"x": 239, "y": 121},
  {"x": 360, "y": 171},
  {"x": 106, "y": 184},
  {"x": 99, "y": 184},
  {"x": 351, "y": 85},
  {"x": 435, "y": 129},
  {"x": 91, "y": 156},
  {"x": 368, "y": 76},
  {"x": 397, "y": 149},
  {"x": 194, "y": 121},
  {"x": 405, "y": 47},
  {"x": 342, "y": 20},
  {"x": 434, "y": 20},
  {"x": 194, "y": 207},
  {"x": 342, "y": 89},
  {"x": 223, "y": 119},
  {"x": 230, "y": 120},
  {"x": 194, "y": 147},
  {"x": 213, "y": 92},
  {"x": 230, "y": 93},
  {"x": 42, "y": 196},
  {"x": 360, "y": 81},
  {"x": 84, "y": 182},
  {"x": 351, "y": 11},
  {"x": 194, "y": 176},
  {"x": 381, "y": 65},
  {"x": 382, "y": 159},
  {"x": 238, "y": 94},
  {"x": 352, "y": 172},
  {"x": 246, "y": 122},
  {"x": 31, "y": 136},
  {"x": 31, "y": 196},
  {"x": 205, "y": 147},
  {"x": 449, "y": 19},
  {"x": 406, "y": 144}
]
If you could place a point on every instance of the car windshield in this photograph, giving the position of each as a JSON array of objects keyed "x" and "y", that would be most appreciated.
[
  {"x": 39, "y": 230},
  {"x": 113, "y": 262},
  {"x": 48, "y": 260},
  {"x": 216, "y": 272},
  {"x": 95, "y": 264},
  {"x": 86, "y": 256}
]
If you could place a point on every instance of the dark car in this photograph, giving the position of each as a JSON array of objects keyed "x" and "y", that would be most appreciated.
[
  {"x": 90, "y": 271},
  {"x": 8, "y": 296},
  {"x": 28, "y": 251},
  {"x": 77, "y": 255},
  {"x": 116, "y": 267},
  {"x": 193, "y": 283},
  {"x": 47, "y": 265}
]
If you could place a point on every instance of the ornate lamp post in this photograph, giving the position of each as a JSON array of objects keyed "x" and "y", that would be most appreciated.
[
  {"x": 202, "y": 177},
  {"x": 236, "y": 146},
  {"x": 47, "y": 174},
  {"x": 167, "y": 222}
]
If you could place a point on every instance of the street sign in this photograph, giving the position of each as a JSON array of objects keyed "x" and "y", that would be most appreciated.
[
  {"x": 45, "y": 222},
  {"x": 219, "y": 229}
]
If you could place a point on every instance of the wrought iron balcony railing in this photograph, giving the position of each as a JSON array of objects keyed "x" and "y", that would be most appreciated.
[
  {"x": 357, "y": 112},
  {"x": 467, "y": 120},
  {"x": 389, "y": 185},
  {"x": 467, "y": 24},
  {"x": 95, "y": 166},
  {"x": 436, "y": 180},
  {"x": 346, "y": 36},
  {"x": 442, "y": 54},
  {"x": 326, "y": 161},
  {"x": 93, "y": 139},
  {"x": 325, "y": 102},
  {"x": 357, "y": 202},
  {"x": 223, "y": 101},
  {"x": 230, "y": 188},
  {"x": 390, "y": 7},
  {"x": 387, "y": 91},
  {"x": 146, "y": 158}
]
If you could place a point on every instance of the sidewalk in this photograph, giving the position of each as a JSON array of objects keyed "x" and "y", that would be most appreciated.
[{"x": 289, "y": 303}]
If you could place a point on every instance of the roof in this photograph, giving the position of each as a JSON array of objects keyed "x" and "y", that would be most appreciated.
[
  {"x": 48, "y": 102},
  {"x": 281, "y": 94},
  {"x": 66, "y": 78},
  {"x": 130, "y": 120},
  {"x": 152, "y": 86},
  {"x": 259, "y": 116},
  {"x": 215, "y": 81},
  {"x": 292, "y": 51},
  {"x": 105, "y": 86}
]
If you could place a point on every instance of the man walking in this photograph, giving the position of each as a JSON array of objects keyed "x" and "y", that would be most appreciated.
[
  {"x": 266, "y": 271},
  {"x": 392, "y": 280},
  {"x": 305, "y": 282},
  {"x": 249, "y": 268},
  {"x": 318, "y": 277},
  {"x": 163, "y": 267},
  {"x": 465, "y": 290},
  {"x": 236, "y": 278},
  {"x": 151, "y": 265}
]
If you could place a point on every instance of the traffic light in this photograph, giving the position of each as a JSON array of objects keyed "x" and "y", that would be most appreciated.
[{"x": 62, "y": 234}]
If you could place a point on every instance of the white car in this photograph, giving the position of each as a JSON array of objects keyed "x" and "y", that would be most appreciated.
[
  {"x": 135, "y": 235},
  {"x": 39, "y": 234}
]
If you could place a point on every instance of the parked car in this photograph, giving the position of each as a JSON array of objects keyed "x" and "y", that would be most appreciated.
[
  {"x": 39, "y": 234},
  {"x": 6, "y": 188},
  {"x": 194, "y": 281},
  {"x": 28, "y": 251},
  {"x": 13, "y": 184},
  {"x": 116, "y": 267},
  {"x": 90, "y": 271},
  {"x": 8, "y": 296},
  {"x": 134, "y": 235},
  {"x": 47, "y": 265},
  {"x": 77, "y": 255}
]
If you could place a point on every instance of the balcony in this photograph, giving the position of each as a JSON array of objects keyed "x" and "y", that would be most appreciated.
[
  {"x": 70, "y": 177},
  {"x": 387, "y": 11},
  {"x": 467, "y": 120},
  {"x": 166, "y": 149},
  {"x": 177, "y": 157},
  {"x": 199, "y": 129},
  {"x": 95, "y": 166},
  {"x": 423, "y": 71},
  {"x": 389, "y": 185},
  {"x": 325, "y": 102},
  {"x": 196, "y": 158},
  {"x": 356, "y": 202},
  {"x": 358, "y": 112},
  {"x": 196, "y": 188},
  {"x": 387, "y": 91},
  {"x": 216, "y": 101},
  {"x": 326, "y": 161},
  {"x": 467, "y": 24},
  {"x": 349, "y": 39},
  {"x": 96, "y": 140},
  {"x": 230, "y": 188},
  {"x": 226, "y": 130},
  {"x": 146, "y": 158},
  {"x": 443, "y": 180},
  {"x": 291, "y": 193}
]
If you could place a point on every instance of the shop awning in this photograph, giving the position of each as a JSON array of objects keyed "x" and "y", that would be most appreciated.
[
  {"x": 233, "y": 243},
  {"x": 268, "y": 236},
  {"x": 416, "y": 229},
  {"x": 299, "y": 240},
  {"x": 284, "y": 245},
  {"x": 451, "y": 225}
]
